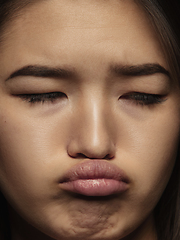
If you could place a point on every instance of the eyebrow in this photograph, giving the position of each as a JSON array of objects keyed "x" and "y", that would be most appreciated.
[
  {"x": 123, "y": 70},
  {"x": 139, "y": 70},
  {"x": 42, "y": 71}
]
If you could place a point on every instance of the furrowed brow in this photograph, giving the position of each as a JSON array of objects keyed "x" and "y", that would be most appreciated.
[
  {"x": 42, "y": 71},
  {"x": 139, "y": 70}
]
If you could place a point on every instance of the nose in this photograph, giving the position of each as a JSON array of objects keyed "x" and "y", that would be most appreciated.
[{"x": 92, "y": 133}]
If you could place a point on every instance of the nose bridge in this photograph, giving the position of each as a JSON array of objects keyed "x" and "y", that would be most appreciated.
[
  {"x": 93, "y": 134},
  {"x": 95, "y": 123}
]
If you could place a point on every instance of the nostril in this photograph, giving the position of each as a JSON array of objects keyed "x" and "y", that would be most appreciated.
[
  {"x": 79, "y": 155},
  {"x": 83, "y": 156},
  {"x": 108, "y": 157}
]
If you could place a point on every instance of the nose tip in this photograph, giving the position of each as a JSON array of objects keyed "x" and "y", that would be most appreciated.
[
  {"x": 87, "y": 148},
  {"x": 92, "y": 137}
]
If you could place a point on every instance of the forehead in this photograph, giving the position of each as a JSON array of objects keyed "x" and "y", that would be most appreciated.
[{"x": 50, "y": 31}]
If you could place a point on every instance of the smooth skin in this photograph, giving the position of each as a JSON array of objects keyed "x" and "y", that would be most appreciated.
[{"x": 96, "y": 118}]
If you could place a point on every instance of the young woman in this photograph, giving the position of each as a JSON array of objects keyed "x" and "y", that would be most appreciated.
[{"x": 89, "y": 120}]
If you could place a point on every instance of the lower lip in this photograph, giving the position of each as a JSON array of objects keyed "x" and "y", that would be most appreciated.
[{"x": 95, "y": 187}]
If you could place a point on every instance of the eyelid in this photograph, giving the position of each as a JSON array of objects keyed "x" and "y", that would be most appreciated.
[
  {"x": 144, "y": 98},
  {"x": 138, "y": 97},
  {"x": 42, "y": 97}
]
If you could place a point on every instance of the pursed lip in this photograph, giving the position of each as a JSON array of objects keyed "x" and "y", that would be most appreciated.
[{"x": 95, "y": 178}]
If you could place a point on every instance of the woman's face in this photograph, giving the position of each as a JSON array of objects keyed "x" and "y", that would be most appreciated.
[{"x": 113, "y": 132}]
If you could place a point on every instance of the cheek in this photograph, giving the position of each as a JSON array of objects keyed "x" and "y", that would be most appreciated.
[
  {"x": 32, "y": 152},
  {"x": 150, "y": 149}
]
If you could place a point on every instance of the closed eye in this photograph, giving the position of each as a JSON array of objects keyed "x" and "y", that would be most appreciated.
[
  {"x": 144, "y": 98},
  {"x": 42, "y": 97}
]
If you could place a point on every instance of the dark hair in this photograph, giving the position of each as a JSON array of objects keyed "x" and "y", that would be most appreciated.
[
  {"x": 165, "y": 17},
  {"x": 10, "y": 10}
]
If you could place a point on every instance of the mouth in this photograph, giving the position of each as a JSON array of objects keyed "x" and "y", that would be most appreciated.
[{"x": 95, "y": 178}]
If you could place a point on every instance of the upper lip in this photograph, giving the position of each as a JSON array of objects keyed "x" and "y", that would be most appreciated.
[{"x": 94, "y": 169}]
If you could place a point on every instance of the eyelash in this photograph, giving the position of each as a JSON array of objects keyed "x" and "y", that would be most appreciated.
[
  {"x": 138, "y": 98},
  {"x": 42, "y": 97},
  {"x": 144, "y": 98}
]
